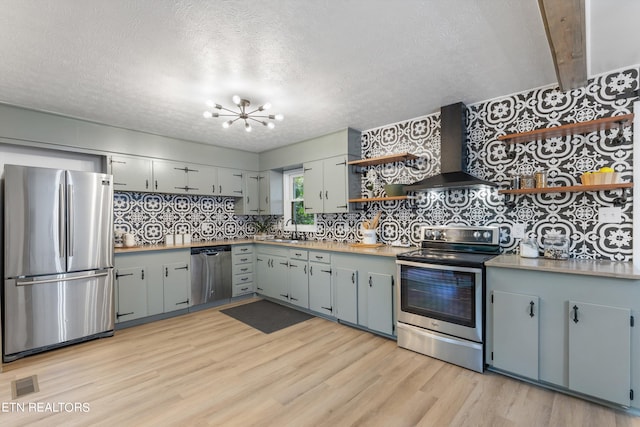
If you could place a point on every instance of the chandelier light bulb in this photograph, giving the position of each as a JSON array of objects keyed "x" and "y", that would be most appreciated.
[
  {"x": 210, "y": 103},
  {"x": 207, "y": 114},
  {"x": 226, "y": 124},
  {"x": 247, "y": 127},
  {"x": 266, "y": 106},
  {"x": 279, "y": 117},
  {"x": 271, "y": 125},
  {"x": 236, "y": 100}
]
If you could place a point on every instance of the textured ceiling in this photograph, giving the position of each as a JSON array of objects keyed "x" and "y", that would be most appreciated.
[{"x": 150, "y": 65}]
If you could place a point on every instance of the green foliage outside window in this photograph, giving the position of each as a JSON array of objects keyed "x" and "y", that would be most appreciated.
[{"x": 297, "y": 207}]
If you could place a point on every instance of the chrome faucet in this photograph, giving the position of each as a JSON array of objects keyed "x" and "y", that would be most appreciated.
[{"x": 294, "y": 235}]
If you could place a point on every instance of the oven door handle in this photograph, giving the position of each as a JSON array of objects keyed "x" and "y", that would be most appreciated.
[{"x": 438, "y": 266}]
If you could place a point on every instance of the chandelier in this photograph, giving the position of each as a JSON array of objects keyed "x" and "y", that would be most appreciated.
[{"x": 243, "y": 113}]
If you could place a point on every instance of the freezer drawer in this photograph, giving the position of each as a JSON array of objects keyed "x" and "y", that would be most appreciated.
[{"x": 49, "y": 311}]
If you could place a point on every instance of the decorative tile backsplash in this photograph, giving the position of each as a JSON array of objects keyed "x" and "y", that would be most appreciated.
[{"x": 151, "y": 216}]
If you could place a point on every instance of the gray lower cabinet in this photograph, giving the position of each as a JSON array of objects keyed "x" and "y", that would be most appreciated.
[
  {"x": 272, "y": 271},
  {"x": 320, "y": 295},
  {"x": 364, "y": 287},
  {"x": 516, "y": 333},
  {"x": 568, "y": 330},
  {"x": 131, "y": 293},
  {"x": 151, "y": 280},
  {"x": 298, "y": 278},
  {"x": 600, "y": 351},
  {"x": 346, "y": 284},
  {"x": 379, "y": 297},
  {"x": 242, "y": 259},
  {"x": 176, "y": 286}
]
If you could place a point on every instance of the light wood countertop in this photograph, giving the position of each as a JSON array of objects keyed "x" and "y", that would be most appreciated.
[
  {"x": 385, "y": 250},
  {"x": 611, "y": 269}
]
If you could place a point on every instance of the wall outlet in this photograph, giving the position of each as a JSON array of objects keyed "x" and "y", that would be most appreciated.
[
  {"x": 612, "y": 215},
  {"x": 518, "y": 231}
]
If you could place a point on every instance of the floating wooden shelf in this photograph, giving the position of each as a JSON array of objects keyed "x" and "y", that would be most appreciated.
[
  {"x": 377, "y": 199},
  {"x": 570, "y": 129},
  {"x": 400, "y": 157},
  {"x": 568, "y": 189}
]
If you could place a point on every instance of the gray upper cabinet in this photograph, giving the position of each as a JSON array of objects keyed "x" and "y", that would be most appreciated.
[
  {"x": 230, "y": 182},
  {"x": 249, "y": 203},
  {"x": 200, "y": 179},
  {"x": 329, "y": 184},
  {"x": 131, "y": 173},
  {"x": 169, "y": 177},
  {"x": 183, "y": 178},
  {"x": 270, "y": 193},
  {"x": 313, "y": 187}
]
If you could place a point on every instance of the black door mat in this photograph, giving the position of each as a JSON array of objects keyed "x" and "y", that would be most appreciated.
[{"x": 266, "y": 316}]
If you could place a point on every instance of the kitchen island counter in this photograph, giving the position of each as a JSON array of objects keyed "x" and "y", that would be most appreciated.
[{"x": 603, "y": 268}]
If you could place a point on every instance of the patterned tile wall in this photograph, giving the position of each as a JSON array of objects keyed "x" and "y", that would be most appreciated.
[{"x": 150, "y": 216}]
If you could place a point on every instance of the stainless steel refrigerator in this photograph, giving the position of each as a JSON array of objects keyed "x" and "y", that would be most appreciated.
[{"x": 58, "y": 258}]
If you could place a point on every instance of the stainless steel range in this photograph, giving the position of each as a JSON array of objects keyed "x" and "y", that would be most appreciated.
[{"x": 441, "y": 293}]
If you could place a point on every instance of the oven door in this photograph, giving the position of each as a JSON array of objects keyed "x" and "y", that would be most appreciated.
[{"x": 446, "y": 299}]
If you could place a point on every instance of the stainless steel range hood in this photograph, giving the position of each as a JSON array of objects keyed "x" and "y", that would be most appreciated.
[{"x": 453, "y": 154}]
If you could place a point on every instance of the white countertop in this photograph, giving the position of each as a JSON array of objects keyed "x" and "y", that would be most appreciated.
[{"x": 618, "y": 270}]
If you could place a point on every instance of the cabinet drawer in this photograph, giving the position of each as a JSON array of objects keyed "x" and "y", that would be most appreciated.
[
  {"x": 323, "y": 257},
  {"x": 241, "y": 249},
  {"x": 273, "y": 251},
  {"x": 242, "y": 259},
  {"x": 298, "y": 254},
  {"x": 242, "y": 289},
  {"x": 243, "y": 279},
  {"x": 242, "y": 269}
]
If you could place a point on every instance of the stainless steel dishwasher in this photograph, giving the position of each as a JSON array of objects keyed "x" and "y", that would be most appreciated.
[{"x": 210, "y": 274}]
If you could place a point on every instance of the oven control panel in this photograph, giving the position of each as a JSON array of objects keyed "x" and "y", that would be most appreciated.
[{"x": 460, "y": 234}]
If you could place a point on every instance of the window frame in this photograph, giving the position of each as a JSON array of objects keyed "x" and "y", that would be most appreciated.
[{"x": 287, "y": 183}]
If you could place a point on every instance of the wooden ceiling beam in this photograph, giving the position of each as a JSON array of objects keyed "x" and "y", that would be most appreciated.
[{"x": 564, "y": 23}]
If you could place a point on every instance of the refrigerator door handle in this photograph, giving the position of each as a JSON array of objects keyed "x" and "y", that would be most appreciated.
[
  {"x": 61, "y": 222},
  {"x": 71, "y": 217},
  {"x": 22, "y": 282}
]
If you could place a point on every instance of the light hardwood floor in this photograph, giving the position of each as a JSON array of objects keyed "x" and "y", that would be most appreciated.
[{"x": 206, "y": 368}]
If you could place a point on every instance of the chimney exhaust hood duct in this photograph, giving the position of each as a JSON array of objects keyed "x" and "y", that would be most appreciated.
[{"x": 453, "y": 154}]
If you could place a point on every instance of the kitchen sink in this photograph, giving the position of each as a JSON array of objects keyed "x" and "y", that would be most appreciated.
[{"x": 285, "y": 241}]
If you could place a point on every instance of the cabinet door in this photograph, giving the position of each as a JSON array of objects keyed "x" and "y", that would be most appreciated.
[
  {"x": 600, "y": 351},
  {"x": 131, "y": 288},
  {"x": 380, "y": 302},
  {"x": 347, "y": 295},
  {"x": 299, "y": 283},
  {"x": 320, "y": 288},
  {"x": 270, "y": 189},
  {"x": 516, "y": 333},
  {"x": 262, "y": 273},
  {"x": 279, "y": 276},
  {"x": 176, "y": 286},
  {"x": 335, "y": 185},
  {"x": 131, "y": 173},
  {"x": 263, "y": 193},
  {"x": 201, "y": 180},
  {"x": 229, "y": 182},
  {"x": 313, "y": 187},
  {"x": 252, "y": 195},
  {"x": 169, "y": 177}
]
